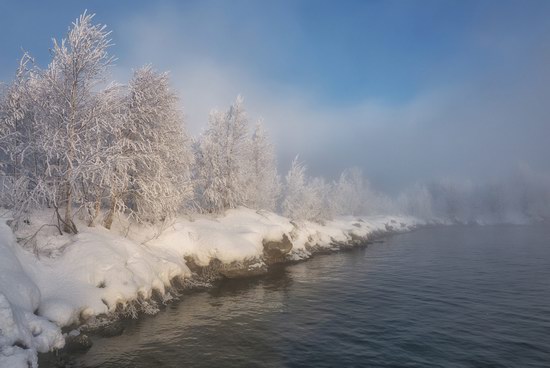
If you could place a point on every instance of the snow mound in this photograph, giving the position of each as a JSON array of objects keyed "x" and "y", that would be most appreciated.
[
  {"x": 236, "y": 236},
  {"x": 22, "y": 333},
  {"x": 98, "y": 271}
]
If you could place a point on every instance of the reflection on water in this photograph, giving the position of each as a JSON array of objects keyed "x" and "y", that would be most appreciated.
[
  {"x": 448, "y": 296},
  {"x": 204, "y": 320}
]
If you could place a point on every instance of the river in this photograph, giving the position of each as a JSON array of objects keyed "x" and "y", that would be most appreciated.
[{"x": 457, "y": 296}]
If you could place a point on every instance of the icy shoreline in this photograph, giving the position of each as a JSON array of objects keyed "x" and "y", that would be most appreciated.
[{"x": 100, "y": 272}]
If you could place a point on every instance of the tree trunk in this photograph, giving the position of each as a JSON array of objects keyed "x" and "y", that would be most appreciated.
[
  {"x": 68, "y": 225},
  {"x": 110, "y": 215},
  {"x": 97, "y": 209}
]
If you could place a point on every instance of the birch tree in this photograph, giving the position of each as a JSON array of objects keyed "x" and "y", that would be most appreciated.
[
  {"x": 104, "y": 148},
  {"x": 152, "y": 171},
  {"x": 349, "y": 194},
  {"x": 13, "y": 118},
  {"x": 263, "y": 181},
  {"x": 222, "y": 155},
  {"x": 305, "y": 199},
  {"x": 25, "y": 183},
  {"x": 79, "y": 64},
  {"x": 16, "y": 144}
]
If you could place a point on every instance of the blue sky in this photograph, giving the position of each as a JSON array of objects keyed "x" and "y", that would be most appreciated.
[{"x": 407, "y": 90}]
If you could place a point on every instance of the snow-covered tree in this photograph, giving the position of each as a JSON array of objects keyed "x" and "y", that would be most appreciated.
[
  {"x": 222, "y": 160},
  {"x": 69, "y": 143},
  {"x": 103, "y": 177},
  {"x": 417, "y": 201},
  {"x": 151, "y": 170},
  {"x": 304, "y": 198},
  {"x": 295, "y": 182},
  {"x": 17, "y": 148},
  {"x": 349, "y": 194},
  {"x": 13, "y": 114},
  {"x": 26, "y": 184},
  {"x": 318, "y": 202},
  {"x": 69, "y": 114},
  {"x": 263, "y": 181}
]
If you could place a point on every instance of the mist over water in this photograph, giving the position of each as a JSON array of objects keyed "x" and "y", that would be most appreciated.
[{"x": 518, "y": 198}]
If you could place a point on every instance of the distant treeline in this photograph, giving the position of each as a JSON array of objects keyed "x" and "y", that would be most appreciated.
[{"x": 520, "y": 197}]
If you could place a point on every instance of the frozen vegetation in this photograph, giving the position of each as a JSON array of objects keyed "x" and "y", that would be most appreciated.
[{"x": 106, "y": 201}]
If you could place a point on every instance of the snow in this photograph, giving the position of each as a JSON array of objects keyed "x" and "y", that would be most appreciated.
[
  {"x": 91, "y": 273},
  {"x": 22, "y": 333},
  {"x": 233, "y": 237}
]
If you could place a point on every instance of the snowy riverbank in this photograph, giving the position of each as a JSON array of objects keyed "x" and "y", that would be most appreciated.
[{"x": 99, "y": 271}]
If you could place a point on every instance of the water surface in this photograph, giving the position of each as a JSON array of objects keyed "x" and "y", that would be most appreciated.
[{"x": 437, "y": 297}]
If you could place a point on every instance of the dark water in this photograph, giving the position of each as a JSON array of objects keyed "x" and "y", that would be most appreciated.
[{"x": 437, "y": 297}]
